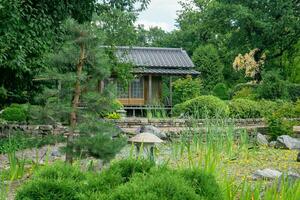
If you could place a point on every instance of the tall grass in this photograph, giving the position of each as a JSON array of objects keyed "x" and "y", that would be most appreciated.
[{"x": 211, "y": 147}]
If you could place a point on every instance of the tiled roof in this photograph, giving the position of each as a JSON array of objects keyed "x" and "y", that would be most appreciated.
[
  {"x": 155, "y": 57},
  {"x": 169, "y": 71}
]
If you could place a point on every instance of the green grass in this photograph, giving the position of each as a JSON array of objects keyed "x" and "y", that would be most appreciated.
[
  {"x": 232, "y": 158},
  {"x": 19, "y": 140}
]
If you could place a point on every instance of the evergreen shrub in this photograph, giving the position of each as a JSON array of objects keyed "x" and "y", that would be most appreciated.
[
  {"x": 15, "y": 112},
  {"x": 244, "y": 108},
  {"x": 221, "y": 91},
  {"x": 202, "y": 107},
  {"x": 126, "y": 179}
]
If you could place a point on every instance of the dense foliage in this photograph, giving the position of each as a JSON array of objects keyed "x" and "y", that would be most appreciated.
[
  {"x": 202, "y": 107},
  {"x": 185, "y": 89},
  {"x": 126, "y": 179},
  {"x": 240, "y": 41},
  {"x": 244, "y": 108}
]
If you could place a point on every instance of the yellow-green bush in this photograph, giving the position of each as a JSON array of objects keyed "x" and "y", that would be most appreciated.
[
  {"x": 202, "y": 107},
  {"x": 244, "y": 108}
]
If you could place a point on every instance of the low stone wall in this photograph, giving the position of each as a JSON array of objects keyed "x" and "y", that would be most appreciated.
[
  {"x": 178, "y": 125},
  {"x": 131, "y": 124},
  {"x": 33, "y": 129}
]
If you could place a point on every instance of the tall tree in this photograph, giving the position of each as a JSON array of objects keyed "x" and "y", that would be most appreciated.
[
  {"x": 236, "y": 27},
  {"x": 81, "y": 65},
  {"x": 29, "y": 29}
]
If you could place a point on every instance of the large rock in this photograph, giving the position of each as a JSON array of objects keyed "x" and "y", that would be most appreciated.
[
  {"x": 287, "y": 142},
  {"x": 266, "y": 174},
  {"x": 261, "y": 140},
  {"x": 153, "y": 130},
  {"x": 288, "y": 178}
]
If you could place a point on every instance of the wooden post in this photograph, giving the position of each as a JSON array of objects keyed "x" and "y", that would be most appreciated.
[
  {"x": 171, "y": 92},
  {"x": 150, "y": 89}
]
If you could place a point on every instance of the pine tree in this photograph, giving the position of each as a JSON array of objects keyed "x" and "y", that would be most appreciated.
[{"x": 77, "y": 68}]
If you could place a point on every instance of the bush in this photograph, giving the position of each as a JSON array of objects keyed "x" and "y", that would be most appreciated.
[
  {"x": 158, "y": 185},
  {"x": 185, "y": 89},
  {"x": 202, "y": 107},
  {"x": 294, "y": 91},
  {"x": 163, "y": 183},
  {"x": 15, "y": 112},
  {"x": 54, "y": 189},
  {"x": 272, "y": 87},
  {"x": 125, "y": 179},
  {"x": 245, "y": 93},
  {"x": 203, "y": 184},
  {"x": 267, "y": 107},
  {"x": 244, "y": 108},
  {"x": 221, "y": 91},
  {"x": 277, "y": 126},
  {"x": 60, "y": 171},
  {"x": 286, "y": 109},
  {"x": 113, "y": 115}
]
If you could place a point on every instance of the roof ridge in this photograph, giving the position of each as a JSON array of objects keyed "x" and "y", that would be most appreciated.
[{"x": 150, "y": 48}]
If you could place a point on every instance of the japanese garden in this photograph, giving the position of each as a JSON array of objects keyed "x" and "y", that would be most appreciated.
[{"x": 99, "y": 102}]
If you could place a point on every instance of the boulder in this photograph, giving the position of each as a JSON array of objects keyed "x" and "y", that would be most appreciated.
[
  {"x": 55, "y": 153},
  {"x": 267, "y": 174},
  {"x": 289, "y": 178},
  {"x": 152, "y": 129},
  {"x": 261, "y": 140},
  {"x": 287, "y": 142},
  {"x": 45, "y": 127}
]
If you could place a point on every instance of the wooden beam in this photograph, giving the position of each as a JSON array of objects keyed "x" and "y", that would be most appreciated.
[
  {"x": 171, "y": 92},
  {"x": 150, "y": 89}
]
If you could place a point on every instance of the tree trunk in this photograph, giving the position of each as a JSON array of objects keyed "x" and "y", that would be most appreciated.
[{"x": 75, "y": 104}]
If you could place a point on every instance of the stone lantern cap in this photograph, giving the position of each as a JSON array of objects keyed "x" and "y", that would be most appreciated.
[{"x": 146, "y": 138}]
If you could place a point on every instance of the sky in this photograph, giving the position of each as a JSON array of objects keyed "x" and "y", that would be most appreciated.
[{"x": 161, "y": 13}]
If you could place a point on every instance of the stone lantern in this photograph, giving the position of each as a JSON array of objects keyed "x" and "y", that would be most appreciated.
[{"x": 147, "y": 140}]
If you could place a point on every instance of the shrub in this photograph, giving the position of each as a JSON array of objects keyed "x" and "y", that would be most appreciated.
[
  {"x": 221, "y": 91},
  {"x": 113, "y": 115},
  {"x": 277, "y": 126},
  {"x": 157, "y": 185},
  {"x": 272, "y": 87},
  {"x": 202, "y": 106},
  {"x": 118, "y": 173},
  {"x": 287, "y": 109},
  {"x": 294, "y": 91},
  {"x": 54, "y": 189},
  {"x": 245, "y": 93},
  {"x": 185, "y": 89},
  {"x": 244, "y": 108},
  {"x": 203, "y": 184},
  {"x": 15, "y": 112},
  {"x": 267, "y": 107},
  {"x": 60, "y": 171}
]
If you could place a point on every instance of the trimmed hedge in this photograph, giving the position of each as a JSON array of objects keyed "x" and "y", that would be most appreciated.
[{"x": 202, "y": 107}]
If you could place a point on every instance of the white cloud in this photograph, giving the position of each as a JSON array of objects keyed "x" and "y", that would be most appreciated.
[
  {"x": 160, "y": 13},
  {"x": 149, "y": 24}
]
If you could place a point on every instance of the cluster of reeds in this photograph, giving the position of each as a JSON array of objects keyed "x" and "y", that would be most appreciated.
[{"x": 211, "y": 147}]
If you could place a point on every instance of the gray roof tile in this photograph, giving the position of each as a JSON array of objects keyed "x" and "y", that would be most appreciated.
[{"x": 155, "y": 57}]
